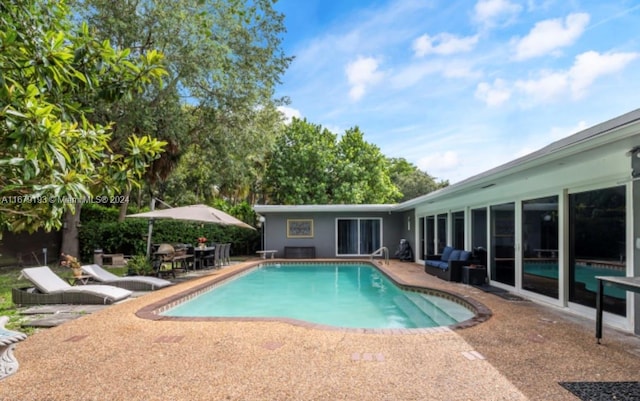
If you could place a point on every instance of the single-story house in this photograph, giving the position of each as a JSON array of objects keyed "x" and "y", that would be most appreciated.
[{"x": 547, "y": 222}]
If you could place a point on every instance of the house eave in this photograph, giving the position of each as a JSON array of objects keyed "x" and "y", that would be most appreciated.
[{"x": 265, "y": 209}]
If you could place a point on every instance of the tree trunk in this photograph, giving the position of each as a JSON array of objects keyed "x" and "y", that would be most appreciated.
[
  {"x": 70, "y": 241},
  {"x": 124, "y": 205}
]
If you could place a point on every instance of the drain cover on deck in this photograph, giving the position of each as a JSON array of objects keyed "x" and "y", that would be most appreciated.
[{"x": 601, "y": 391}]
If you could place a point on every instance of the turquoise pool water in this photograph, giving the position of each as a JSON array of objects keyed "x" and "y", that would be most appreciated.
[
  {"x": 341, "y": 295},
  {"x": 583, "y": 273}
]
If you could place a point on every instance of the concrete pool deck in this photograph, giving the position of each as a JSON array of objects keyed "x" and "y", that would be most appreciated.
[{"x": 521, "y": 353}]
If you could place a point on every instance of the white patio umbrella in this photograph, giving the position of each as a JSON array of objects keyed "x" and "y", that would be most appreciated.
[{"x": 197, "y": 213}]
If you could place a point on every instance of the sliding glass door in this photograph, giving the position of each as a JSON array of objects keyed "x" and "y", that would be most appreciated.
[
  {"x": 442, "y": 232},
  {"x": 597, "y": 224},
  {"x": 430, "y": 235},
  {"x": 358, "y": 236},
  {"x": 503, "y": 243},
  {"x": 458, "y": 230},
  {"x": 479, "y": 234},
  {"x": 540, "y": 269}
]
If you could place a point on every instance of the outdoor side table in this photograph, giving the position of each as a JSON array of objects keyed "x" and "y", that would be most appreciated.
[
  {"x": 476, "y": 275},
  {"x": 79, "y": 280},
  {"x": 8, "y": 340}
]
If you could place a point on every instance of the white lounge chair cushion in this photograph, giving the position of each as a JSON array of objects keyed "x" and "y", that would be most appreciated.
[
  {"x": 99, "y": 290},
  {"x": 48, "y": 282},
  {"x": 102, "y": 275}
]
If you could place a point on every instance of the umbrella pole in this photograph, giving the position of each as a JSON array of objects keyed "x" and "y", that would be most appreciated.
[
  {"x": 149, "y": 238},
  {"x": 153, "y": 206}
]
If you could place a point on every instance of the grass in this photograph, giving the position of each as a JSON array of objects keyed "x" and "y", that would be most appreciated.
[{"x": 10, "y": 278}]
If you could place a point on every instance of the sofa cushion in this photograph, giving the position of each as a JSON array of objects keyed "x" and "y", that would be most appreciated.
[
  {"x": 437, "y": 264},
  {"x": 455, "y": 255},
  {"x": 464, "y": 255},
  {"x": 446, "y": 253}
]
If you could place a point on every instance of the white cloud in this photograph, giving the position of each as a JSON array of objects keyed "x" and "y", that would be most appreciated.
[
  {"x": 289, "y": 113},
  {"x": 493, "y": 94},
  {"x": 361, "y": 74},
  {"x": 549, "y": 86},
  {"x": 494, "y": 12},
  {"x": 549, "y": 35},
  {"x": 439, "y": 161},
  {"x": 443, "y": 44},
  {"x": 591, "y": 65}
]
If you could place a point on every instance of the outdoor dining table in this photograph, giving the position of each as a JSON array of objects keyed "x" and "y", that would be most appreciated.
[{"x": 200, "y": 255}]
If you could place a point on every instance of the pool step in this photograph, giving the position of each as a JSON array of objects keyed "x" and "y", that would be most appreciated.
[{"x": 416, "y": 305}]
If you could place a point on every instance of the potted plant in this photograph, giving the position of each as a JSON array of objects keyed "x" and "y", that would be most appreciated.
[{"x": 73, "y": 263}]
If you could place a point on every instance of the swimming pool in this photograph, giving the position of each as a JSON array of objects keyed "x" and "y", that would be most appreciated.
[{"x": 341, "y": 295}]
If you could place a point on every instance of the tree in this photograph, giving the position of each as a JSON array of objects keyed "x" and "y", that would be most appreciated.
[
  {"x": 300, "y": 170},
  {"x": 52, "y": 158},
  {"x": 411, "y": 181},
  {"x": 310, "y": 166},
  {"x": 361, "y": 175},
  {"x": 224, "y": 60}
]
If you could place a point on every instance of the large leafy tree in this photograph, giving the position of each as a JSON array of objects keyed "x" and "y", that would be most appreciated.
[
  {"x": 411, "y": 181},
  {"x": 51, "y": 156},
  {"x": 309, "y": 165},
  {"x": 224, "y": 59},
  {"x": 362, "y": 172},
  {"x": 301, "y": 168}
]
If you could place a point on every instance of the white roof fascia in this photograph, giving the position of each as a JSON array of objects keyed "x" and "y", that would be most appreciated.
[{"x": 322, "y": 208}]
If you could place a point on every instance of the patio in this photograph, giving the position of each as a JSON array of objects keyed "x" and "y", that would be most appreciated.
[{"x": 522, "y": 352}]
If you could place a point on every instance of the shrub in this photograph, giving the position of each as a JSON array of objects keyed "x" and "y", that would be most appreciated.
[
  {"x": 139, "y": 265},
  {"x": 130, "y": 236}
]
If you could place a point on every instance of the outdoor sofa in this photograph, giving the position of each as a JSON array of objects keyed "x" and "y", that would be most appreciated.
[
  {"x": 447, "y": 265},
  {"x": 132, "y": 283},
  {"x": 49, "y": 288}
]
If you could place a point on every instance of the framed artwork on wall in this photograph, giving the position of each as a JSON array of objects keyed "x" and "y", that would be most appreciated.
[{"x": 299, "y": 228}]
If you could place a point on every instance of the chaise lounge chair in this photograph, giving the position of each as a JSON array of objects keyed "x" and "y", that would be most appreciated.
[
  {"x": 132, "y": 283},
  {"x": 51, "y": 289}
]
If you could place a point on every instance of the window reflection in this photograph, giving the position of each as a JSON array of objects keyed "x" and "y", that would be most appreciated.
[
  {"x": 540, "y": 246},
  {"x": 597, "y": 246}
]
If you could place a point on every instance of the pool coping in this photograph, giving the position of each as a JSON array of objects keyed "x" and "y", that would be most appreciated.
[{"x": 153, "y": 310}]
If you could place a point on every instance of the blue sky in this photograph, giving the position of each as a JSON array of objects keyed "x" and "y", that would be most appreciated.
[{"x": 459, "y": 87}]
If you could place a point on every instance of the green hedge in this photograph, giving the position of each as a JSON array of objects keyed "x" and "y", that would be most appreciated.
[{"x": 100, "y": 229}]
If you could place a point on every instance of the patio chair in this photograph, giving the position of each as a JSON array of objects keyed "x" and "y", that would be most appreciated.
[
  {"x": 226, "y": 254},
  {"x": 131, "y": 283},
  {"x": 50, "y": 288},
  {"x": 217, "y": 256}
]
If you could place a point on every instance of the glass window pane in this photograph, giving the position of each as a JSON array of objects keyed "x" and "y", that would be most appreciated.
[
  {"x": 423, "y": 245},
  {"x": 431, "y": 235},
  {"x": 540, "y": 246},
  {"x": 458, "y": 230},
  {"x": 442, "y": 232},
  {"x": 479, "y": 234},
  {"x": 369, "y": 236},
  {"x": 597, "y": 246},
  {"x": 347, "y": 237},
  {"x": 502, "y": 242}
]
